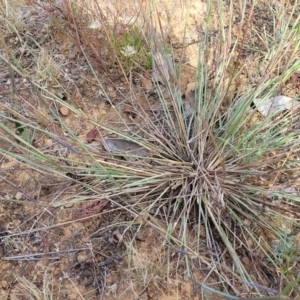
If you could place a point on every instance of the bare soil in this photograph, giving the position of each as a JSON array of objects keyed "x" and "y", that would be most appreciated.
[{"x": 98, "y": 257}]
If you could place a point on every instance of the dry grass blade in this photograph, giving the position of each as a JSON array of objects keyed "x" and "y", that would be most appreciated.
[{"x": 212, "y": 176}]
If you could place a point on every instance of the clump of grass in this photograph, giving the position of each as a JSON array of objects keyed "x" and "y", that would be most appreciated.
[
  {"x": 108, "y": 36},
  {"x": 132, "y": 50},
  {"x": 46, "y": 68},
  {"x": 206, "y": 182},
  {"x": 26, "y": 288},
  {"x": 11, "y": 14}
]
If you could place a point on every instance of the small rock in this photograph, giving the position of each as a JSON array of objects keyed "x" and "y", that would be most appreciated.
[
  {"x": 56, "y": 271},
  {"x": 64, "y": 46},
  {"x": 18, "y": 196},
  {"x": 249, "y": 243},
  {"x": 68, "y": 205},
  {"x": 4, "y": 284},
  {"x": 5, "y": 265},
  {"x": 64, "y": 111},
  {"x": 140, "y": 220},
  {"x": 247, "y": 222},
  {"x": 72, "y": 55},
  {"x": 81, "y": 257},
  {"x": 245, "y": 260}
]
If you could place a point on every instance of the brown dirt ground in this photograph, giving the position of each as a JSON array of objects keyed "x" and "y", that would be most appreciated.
[{"x": 87, "y": 259}]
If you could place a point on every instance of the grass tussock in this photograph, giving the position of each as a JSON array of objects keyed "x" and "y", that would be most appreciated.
[{"x": 206, "y": 175}]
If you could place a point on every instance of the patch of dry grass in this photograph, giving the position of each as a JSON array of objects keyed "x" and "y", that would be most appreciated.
[{"x": 208, "y": 183}]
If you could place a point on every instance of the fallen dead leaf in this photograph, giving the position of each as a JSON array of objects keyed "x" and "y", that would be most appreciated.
[
  {"x": 273, "y": 105},
  {"x": 115, "y": 145},
  {"x": 91, "y": 135},
  {"x": 92, "y": 207}
]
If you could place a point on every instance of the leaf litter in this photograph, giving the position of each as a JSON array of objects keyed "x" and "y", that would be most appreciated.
[
  {"x": 91, "y": 208},
  {"x": 124, "y": 147},
  {"x": 274, "y": 105}
]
